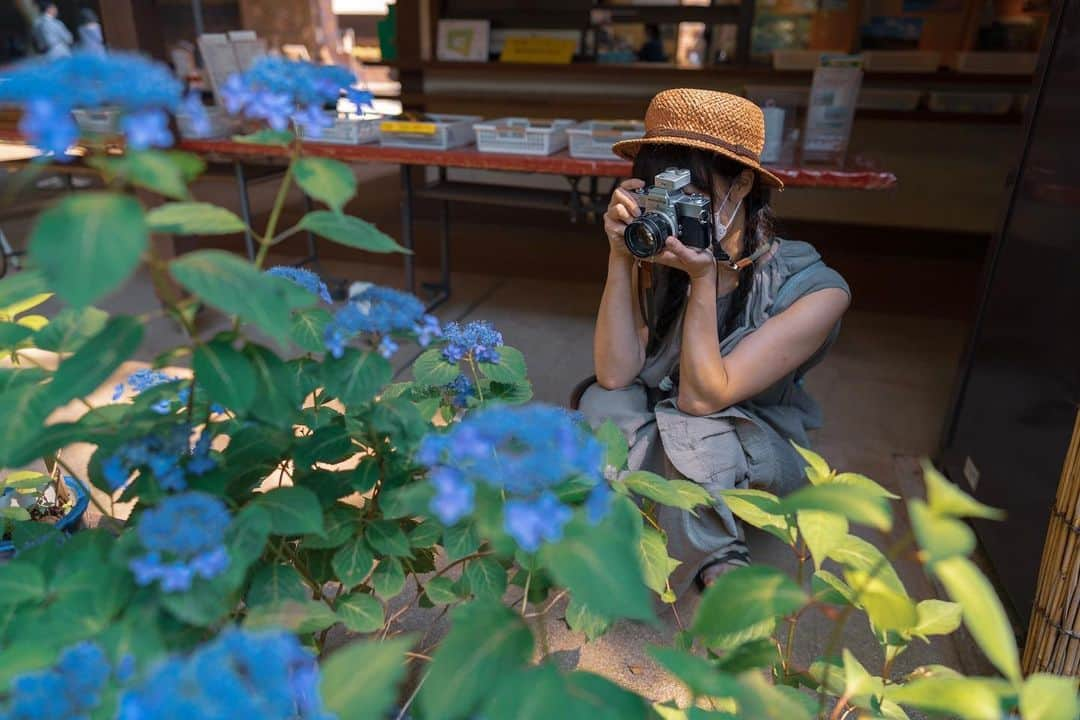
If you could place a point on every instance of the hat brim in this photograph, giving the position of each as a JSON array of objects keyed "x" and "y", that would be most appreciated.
[{"x": 628, "y": 149}]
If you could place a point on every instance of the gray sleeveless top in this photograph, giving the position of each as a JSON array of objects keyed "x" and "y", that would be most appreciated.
[{"x": 784, "y": 411}]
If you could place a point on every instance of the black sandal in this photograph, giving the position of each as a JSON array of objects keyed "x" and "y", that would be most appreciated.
[{"x": 732, "y": 557}]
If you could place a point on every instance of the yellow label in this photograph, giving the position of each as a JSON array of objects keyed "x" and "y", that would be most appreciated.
[
  {"x": 411, "y": 128},
  {"x": 557, "y": 51}
]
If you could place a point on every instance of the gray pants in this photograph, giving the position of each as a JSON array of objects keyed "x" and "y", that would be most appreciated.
[{"x": 727, "y": 450}]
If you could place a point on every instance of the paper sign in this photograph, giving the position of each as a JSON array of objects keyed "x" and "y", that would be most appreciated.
[
  {"x": 409, "y": 128},
  {"x": 832, "y": 109},
  {"x": 557, "y": 51}
]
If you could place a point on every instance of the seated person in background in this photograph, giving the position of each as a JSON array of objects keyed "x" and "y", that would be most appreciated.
[
  {"x": 700, "y": 352},
  {"x": 652, "y": 50},
  {"x": 51, "y": 37}
]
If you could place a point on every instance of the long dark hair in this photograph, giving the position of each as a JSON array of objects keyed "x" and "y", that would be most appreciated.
[{"x": 671, "y": 284}]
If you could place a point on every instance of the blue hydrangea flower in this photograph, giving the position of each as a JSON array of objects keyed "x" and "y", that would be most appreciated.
[
  {"x": 69, "y": 690},
  {"x": 142, "y": 380},
  {"x": 478, "y": 338},
  {"x": 147, "y": 129},
  {"x": 524, "y": 452},
  {"x": 239, "y": 674},
  {"x": 304, "y": 278},
  {"x": 192, "y": 107},
  {"x": 48, "y": 90},
  {"x": 183, "y": 538},
  {"x": 278, "y": 90},
  {"x": 461, "y": 389},
  {"x": 380, "y": 312},
  {"x": 168, "y": 454}
]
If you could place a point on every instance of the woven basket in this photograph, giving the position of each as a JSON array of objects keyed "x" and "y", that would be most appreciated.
[{"x": 1053, "y": 640}]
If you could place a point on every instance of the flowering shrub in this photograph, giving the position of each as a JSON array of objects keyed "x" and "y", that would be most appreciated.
[{"x": 282, "y": 486}]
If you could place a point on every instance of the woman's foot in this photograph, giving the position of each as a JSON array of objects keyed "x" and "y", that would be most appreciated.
[{"x": 710, "y": 571}]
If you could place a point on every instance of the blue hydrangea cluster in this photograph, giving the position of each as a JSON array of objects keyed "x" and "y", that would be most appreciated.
[
  {"x": 143, "y": 90},
  {"x": 239, "y": 674},
  {"x": 69, "y": 690},
  {"x": 167, "y": 454},
  {"x": 278, "y": 90},
  {"x": 478, "y": 338},
  {"x": 525, "y": 452},
  {"x": 382, "y": 312},
  {"x": 461, "y": 390},
  {"x": 304, "y": 278},
  {"x": 146, "y": 378},
  {"x": 183, "y": 538}
]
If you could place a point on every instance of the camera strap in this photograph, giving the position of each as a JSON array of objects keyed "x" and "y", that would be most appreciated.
[
  {"x": 646, "y": 295},
  {"x": 742, "y": 263}
]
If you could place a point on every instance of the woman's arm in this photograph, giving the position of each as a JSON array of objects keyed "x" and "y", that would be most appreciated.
[
  {"x": 709, "y": 382},
  {"x": 619, "y": 341}
]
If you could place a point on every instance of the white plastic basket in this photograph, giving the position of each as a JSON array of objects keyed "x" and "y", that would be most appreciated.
[
  {"x": 982, "y": 103},
  {"x": 593, "y": 139},
  {"x": 437, "y": 131},
  {"x": 221, "y": 124},
  {"x": 522, "y": 136},
  {"x": 99, "y": 121},
  {"x": 356, "y": 130}
]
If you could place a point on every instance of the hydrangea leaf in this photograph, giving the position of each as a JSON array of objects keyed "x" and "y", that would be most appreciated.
[
  {"x": 275, "y": 583},
  {"x": 388, "y": 580},
  {"x": 292, "y": 511},
  {"x": 615, "y": 446},
  {"x": 510, "y": 369},
  {"x": 440, "y": 591},
  {"x": 681, "y": 494},
  {"x": 85, "y": 371},
  {"x": 853, "y": 502},
  {"x": 360, "y": 612},
  {"x": 485, "y": 578},
  {"x": 350, "y": 231},
  {"x": 655, "y": 562},
  {"x": 516, "y": 394},
  {"x": 353, "y": 562},
  {"x": 431, "y": 368},
  {"x": 425, "y": 535},
  {"x": 88, "y": 244},
  {"x": 984, "y": 616},
  {"x": 70, "y": 329},
  {"x": 18, "y": 288},
  {"x": 327, "y": 180},
  {"x": 194, "y": 218},
  {"x": 581, "y": 620},
  {"x": 308, "y": 329},
  {"x": 544, "y": 692},
  {"x": 234, "y": 286},
  {"x": 329, "y": 444},
  {"x": 387, "y": 537},
  {"x": 486, "y": 644},
  {"x": 460, "y": 540},
  {"x": 19, "y": 583},
  {"x": 154, "y": 170},
  {"x": 355, "y": 378},
  {"x": 226, "y": 374},
  {"x": 760, "y": 509},
  {"x": 300, "y": 617},
  {"x": 764, "y": 594},
  {"x": 277, "y": 393},
  {"x": 383, "y": 666}
]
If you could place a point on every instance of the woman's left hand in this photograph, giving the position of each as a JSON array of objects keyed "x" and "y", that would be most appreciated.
[{"x": 695, "y": 262}]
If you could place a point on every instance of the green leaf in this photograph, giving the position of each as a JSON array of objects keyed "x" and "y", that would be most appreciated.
[
  {"x": 154, "y": 170},
  {"x": 298, "y": 617},
  {"x": 864, "y": 483},
  {"x": 383, "y": 665},
  {"x": 440, "y": 591},
  {"x": 936, "y": 617},
  {"x": 582, "y": 620},
  {"x": 590, "y": 560},
  {"x": 615, "y": 446},
  {"x": 698, "y": 674},
  {"x": 764, "y": 593},
  {"x": 485, "y": 578},
  {"x": 945, "y": 498},
  {"x": 822, "y": 531},
  {"x": 353, "y": 562},
  {"x": 460, "y": 540},
  {"x": 431, "y": 368},
  {"x": 194, "y": 218},
  {"x": 274, "y": 584},
  {"x": 853, "y": 502},
  {"x": 487, "y": 642},
  {"x": 887, "y": 608},
  {"x": 293, "y": 511},
  {"x": 329, "y": 444},
  {"x": 681, "y": 494},
  {"x": 388, "y": 580},
  {"x": 88, "y": 244},
  {"x": 70, "y": 329},
  {"x": 327, "y": 180},
  {"x": 859, "y": 685},
  {"x": 19, "y": 583},
  {"x": 857, "y": 554},
  {"x": 387, "y": 537},
  {"x": 939, "y": 536},
  {"x": 277, "y": 394},
  {"x": 360, "y": 612},
  {"x": 340, "y": 522},
  {"x": 967, "y": 698},
  {"x": 425, "y": 535},
  {"x": 983, "y": 613},
  {"x": 11, "y": 334},
  {"x": 235, "y": 287},
  {"x": 308, "y": 329},
  {"x": 1049, "y": 697},
  {"x": 226, "y": 374},
  {"x": 21, "y": 291},
  {"x": 93, "y": 364},
  {"x": 817, "y": 470},
  {"x": 355, "y": 378},
  {"x": 543, "y": 693},
  {"x": 516, "y": 394},
  {"x": 760, "y": 509},
  {"x": 510, "y": 369},
  {"x": 656, "y": 564},
  {"x": 753, "y": 655},
  {"x": 350, "y": 231}
]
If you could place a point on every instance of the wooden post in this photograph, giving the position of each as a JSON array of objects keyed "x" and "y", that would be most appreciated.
[{"x": 1053, "y": 639}]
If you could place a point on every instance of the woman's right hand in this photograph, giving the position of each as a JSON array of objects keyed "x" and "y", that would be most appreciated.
[{"x": 621, "y": 210}]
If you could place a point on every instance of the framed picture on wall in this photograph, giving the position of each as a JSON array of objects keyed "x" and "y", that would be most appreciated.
[{"x": 463, "y": 40}]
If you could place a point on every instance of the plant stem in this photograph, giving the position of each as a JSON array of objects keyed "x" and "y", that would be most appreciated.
[
  {"x": 275, "y": 213},
  {"x": 841, "y": 703},
  {"x": 525, "y": 595},
  {"x": 800, "y": 553},
  {"x": 474, "y": 556},
  {"x": 476, "y": 377}
]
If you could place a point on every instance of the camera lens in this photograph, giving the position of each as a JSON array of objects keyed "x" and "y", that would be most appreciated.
[{"x": 645, "y": 235}]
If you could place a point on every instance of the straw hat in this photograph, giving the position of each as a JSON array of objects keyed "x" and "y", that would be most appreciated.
[{"x": 708, "y": 120}]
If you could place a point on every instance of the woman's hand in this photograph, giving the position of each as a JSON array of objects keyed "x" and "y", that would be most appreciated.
[
  {"x": 696, "y": 262},
  {"x": 621, "y": 210}
]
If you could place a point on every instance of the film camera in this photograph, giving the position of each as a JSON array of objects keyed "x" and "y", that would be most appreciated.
[{"x": 667, "y": 210}]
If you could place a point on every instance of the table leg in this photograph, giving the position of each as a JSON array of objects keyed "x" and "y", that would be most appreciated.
[
  {"x": 575, "y": 197},
  {"x": 441, "y": 290},
  {"x": 407, "y": 227},
  {"x": 245, "y": 208}
]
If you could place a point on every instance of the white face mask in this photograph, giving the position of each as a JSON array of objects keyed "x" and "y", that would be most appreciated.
[{"x": 720, "y": 228}]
